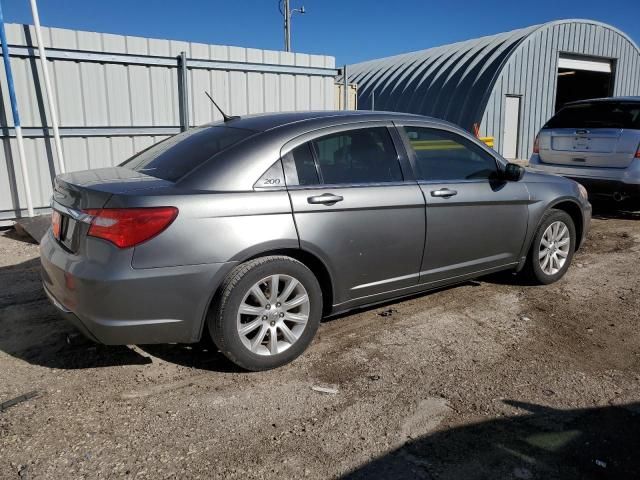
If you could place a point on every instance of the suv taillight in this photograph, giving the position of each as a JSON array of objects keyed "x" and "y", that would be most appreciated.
[
  {"x": 128, "y": 227},
  {"x": 536, "y": 145}
]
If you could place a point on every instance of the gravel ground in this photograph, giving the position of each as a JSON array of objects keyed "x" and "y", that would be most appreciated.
[{"x": 490, "y": 379}]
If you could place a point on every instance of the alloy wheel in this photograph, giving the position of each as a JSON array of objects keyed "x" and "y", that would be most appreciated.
[
  {"x": 273, "y": 314},
  {"x": 554, "y": 247}
]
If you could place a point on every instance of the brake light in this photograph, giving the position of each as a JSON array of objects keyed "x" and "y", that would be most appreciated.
[
  {"x": 128, "y": 227},
  {"x": 536, "y": 145},
  {"x": 637, "y": 155}
]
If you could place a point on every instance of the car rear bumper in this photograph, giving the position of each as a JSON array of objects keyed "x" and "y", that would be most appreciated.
[
  {"x": 609, "y": 188},
  {"x": 122, "y": 306},
  {"x": 621, "y": 183}
]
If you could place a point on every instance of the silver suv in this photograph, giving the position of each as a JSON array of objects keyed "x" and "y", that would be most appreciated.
[
  {"x": 595, "y": 142},
  {"x": 250, "y": 230}
]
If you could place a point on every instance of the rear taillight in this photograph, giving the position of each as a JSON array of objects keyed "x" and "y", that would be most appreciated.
[
  {"x": 637, "y": 155},
  {"x": 128, "y": 227},
  {"x": 536, "y": 145}
]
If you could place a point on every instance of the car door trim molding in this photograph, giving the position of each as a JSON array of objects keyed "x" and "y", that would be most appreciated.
[
  {"x": 386, "y": 280},
  {"x": 348, "y": 185},
  {"x": 382, "y": 297}
]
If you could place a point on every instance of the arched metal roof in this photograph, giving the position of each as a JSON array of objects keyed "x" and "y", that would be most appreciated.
[{"x": 452, "y": 82}]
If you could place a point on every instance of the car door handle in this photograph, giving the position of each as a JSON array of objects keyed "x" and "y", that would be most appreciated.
[
  {"x": 443, "y": 192},
  {"x": 325, "y": 199}
]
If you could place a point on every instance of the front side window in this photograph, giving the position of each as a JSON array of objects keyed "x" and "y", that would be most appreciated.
[
  {"x": 443, "y": 155},
  {"x": 365, "y": 155}
]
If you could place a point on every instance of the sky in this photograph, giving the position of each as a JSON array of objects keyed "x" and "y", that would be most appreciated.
[{"x": 350, "y": 30}]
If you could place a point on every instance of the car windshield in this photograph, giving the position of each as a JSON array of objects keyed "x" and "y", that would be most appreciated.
[
  {"x": 597, "y": 115},
  {"x": 176, "y": 156}
]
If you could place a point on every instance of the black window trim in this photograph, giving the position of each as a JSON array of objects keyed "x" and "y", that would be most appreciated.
[
  {"x": 401, "y": 155},
  {"x": 314, "y": 153},
  {"x": 500, "y": 163}
]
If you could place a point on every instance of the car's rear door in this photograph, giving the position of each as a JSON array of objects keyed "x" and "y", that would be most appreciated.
[
  {"x": 357, "y": 208},
  {"x": 475, "y": 222},
  {"x": 592, "y": 134}
]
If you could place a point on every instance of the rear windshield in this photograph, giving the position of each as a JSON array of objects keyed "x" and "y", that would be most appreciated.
[
  {"x": 176, "y": 156},
  {"x": 597, "y": 115}
]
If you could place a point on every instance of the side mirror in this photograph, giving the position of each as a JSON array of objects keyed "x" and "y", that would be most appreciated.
[{"x": 513, "y": 172}]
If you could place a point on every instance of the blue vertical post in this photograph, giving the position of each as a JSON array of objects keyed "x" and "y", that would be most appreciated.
[{"x": 16, "y": 115}]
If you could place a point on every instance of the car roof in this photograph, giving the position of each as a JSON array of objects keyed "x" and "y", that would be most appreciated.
[
  {"x": 606, "y": 100},
  {"x": 268, "y": 121},
  {"x": 240, "y": 166}
]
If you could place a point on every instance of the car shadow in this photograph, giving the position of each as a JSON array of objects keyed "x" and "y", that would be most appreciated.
[
  {"x": 13, "y": 234},
  {"x": 383, "y": 306},
  {"x": 589, "y": 443},
  {"x": 32, "y": 330},
  {"x": 203, "y": 355},
  {"x": 610, "y": 210}
]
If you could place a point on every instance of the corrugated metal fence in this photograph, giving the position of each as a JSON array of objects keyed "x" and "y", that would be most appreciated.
[{"x": 116, "y": 95}]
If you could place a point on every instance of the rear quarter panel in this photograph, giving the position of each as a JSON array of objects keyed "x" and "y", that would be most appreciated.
[{"x": 215, "y": 227}]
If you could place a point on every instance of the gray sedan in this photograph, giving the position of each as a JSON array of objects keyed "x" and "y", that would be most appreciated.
[{"x": 253, "y": 229}]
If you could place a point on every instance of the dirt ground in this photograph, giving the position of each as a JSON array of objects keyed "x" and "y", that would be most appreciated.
[{"x": 490, "y": 379}]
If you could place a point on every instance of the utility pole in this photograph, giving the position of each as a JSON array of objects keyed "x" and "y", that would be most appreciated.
[
  {"x": 287, "y": 13},
  {"x": 287, "y": 26}
]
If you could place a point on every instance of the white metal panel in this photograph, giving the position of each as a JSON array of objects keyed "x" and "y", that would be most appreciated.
[
  {"x": 94, "y": 100},
  {"x": 117, "y": 94},
  {"x": 271, "y": 84},
  {"x": 287, "y": 84},
  {"x": 114, "y": 96},
  {"x": 238, "y": 83},
  {"x": 141, "y": 96},
  {"x": 121, "y": 149},
  {"x": 591, "y": 65},
  {"x": 255, "y": 83},
  {"x": 302, "y": 84}
]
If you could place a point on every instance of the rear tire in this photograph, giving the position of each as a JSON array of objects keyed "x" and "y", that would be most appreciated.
[
  {"x": 266, "y": 313},
  {"x": 552, "y": 248}
]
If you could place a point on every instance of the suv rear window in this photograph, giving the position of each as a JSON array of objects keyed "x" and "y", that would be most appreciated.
[
  {"x": 597, "y": 115},
  {"x": 176, "y": 156}
]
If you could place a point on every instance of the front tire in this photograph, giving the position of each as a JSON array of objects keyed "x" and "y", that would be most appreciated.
[
  {"x": 552, "y": 248},
  {"x": 266, "y": 313}
]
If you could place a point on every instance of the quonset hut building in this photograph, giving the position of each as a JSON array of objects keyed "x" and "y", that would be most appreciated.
[{"x": 507, "y": 84}]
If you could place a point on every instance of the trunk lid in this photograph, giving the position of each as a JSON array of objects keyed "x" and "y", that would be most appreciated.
[{"x": 91, "y": 189}]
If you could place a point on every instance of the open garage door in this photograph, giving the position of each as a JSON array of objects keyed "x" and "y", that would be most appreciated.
[{"x": 581, "y": 78}]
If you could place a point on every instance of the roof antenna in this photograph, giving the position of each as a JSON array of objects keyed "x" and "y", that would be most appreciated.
[{"x": 226, "y": 117}]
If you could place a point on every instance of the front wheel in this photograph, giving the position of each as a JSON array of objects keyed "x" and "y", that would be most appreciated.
[
  {"x": 267, "y": 312},
  {"x": 552, "y": 248}
]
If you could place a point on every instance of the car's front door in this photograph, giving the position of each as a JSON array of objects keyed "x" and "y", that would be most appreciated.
[
  {"x": 475, "y": 221},
  {"x": 357, "y": 208}
]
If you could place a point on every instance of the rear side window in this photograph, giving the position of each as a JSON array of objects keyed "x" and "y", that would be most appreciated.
[
  {"x": 443, "y": 155},
  {"x": 597, "y": 115},
  {"x": 305, "y": 165},
  {"x": 176, "y": 156},
  {"x": 357, "y": 156}
]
